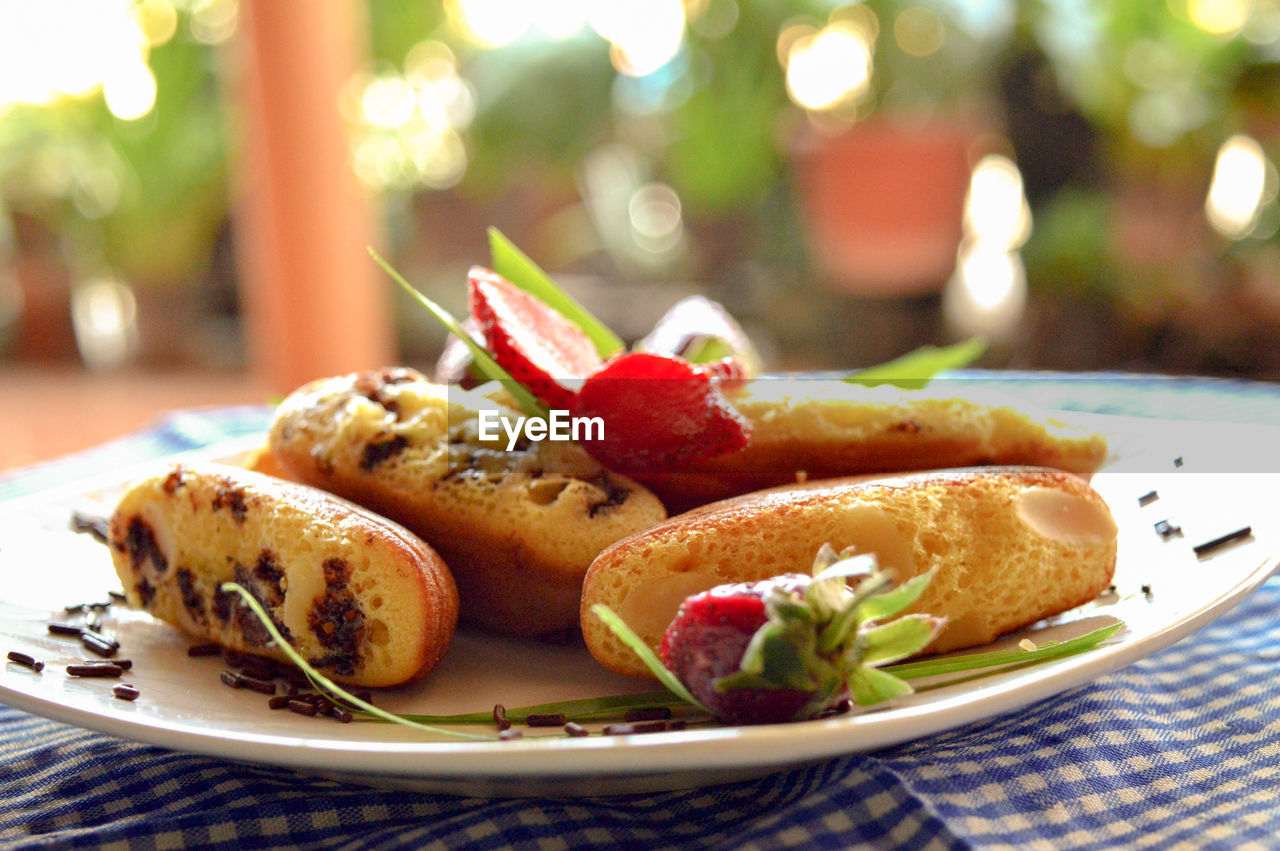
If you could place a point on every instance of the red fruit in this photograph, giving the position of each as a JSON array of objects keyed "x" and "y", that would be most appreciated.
[
  {"x": 706, "y": 641},
  {"x": 660, "y": 414},
  {"x": 539, "y": 348}
]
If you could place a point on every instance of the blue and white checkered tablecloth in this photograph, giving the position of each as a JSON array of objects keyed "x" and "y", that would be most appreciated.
[{"x": 1179, "y": 750}]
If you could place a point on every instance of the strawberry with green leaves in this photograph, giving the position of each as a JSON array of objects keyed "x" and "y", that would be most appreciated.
[{"x": 787, "y": 648}]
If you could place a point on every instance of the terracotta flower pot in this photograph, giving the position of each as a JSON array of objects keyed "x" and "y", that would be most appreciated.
[{"x": 884, "y": 202}]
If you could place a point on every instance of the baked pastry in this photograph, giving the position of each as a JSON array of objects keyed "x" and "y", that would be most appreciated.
[
  {"x": 517, "y": 527},
  {"x": 362, "y": 599},
  {"x": 1011, "y": 545},
  {"x": 804, "y": 429}
]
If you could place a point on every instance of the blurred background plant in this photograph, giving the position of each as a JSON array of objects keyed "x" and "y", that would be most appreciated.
[{"x": 1090, "y": 184}]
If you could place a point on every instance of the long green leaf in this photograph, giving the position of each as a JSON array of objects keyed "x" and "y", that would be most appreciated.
[
  {"x": 642, "y": 650},
  {"x": 583, "y": 709},
  {"x": 327, "y": 684},
  {"x": 997, "y": 658},
  {"x": 484, "y": 362},
  {"x": 514, "y": 265},
  {"x": 914, "y": 370}
]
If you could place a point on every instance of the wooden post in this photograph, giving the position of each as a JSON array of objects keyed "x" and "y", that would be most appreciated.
[{"x": 315, "y": 303}]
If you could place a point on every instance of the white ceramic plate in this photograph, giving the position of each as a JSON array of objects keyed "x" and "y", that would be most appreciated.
[{"x": 184, "y": 706}]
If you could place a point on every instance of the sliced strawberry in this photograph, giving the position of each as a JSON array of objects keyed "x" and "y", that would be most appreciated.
[
  {"x": 705, "y": 644},
  {"x": 659, "y": 414},
  {"x": 539, "y": 347}
]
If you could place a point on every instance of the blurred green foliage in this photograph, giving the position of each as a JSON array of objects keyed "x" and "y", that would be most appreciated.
[{"x": 142, "y": 198}]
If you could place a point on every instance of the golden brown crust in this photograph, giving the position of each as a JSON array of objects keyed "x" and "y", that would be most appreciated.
[
  {"x": 1012, "y": 545},
  {"x": 518, "y": 529},
  {"x": 362, "y": 598},
  {"x": 858, "y": 430}
]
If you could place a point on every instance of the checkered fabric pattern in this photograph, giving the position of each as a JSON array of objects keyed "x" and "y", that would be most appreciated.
[{"x": 1181, "y": 750}]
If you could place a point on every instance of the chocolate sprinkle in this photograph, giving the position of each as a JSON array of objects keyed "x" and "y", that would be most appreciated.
[
  {"x": 653, "y": 713},
  {"x": 1223, "y": 540},
  {"x": 125, "y": 691},
  {"x": 1148, "y": 498},
  {"x": 98, "y": 670},
  {"x": 98, "y": 643},
  {"x": 555, "y": 719},
  {"x": 25, "y": 660},
  {"x": 256, "y": 684},
  {"x": 302, "y": 707}
]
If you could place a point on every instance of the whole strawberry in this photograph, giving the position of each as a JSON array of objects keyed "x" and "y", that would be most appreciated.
[
  {"x": 705, "y": 644},
  {"x": 785, "y": 649}
]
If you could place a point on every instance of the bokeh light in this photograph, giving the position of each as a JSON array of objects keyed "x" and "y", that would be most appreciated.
[
  {"x": 996, "y": 211},
  {"x": 73, "y": 48},
  {"x": 491, "y": 23},
  {"x": 214, "y": 21},
  {"x": 409, "y": 124},
  {"x": 987, "y": 295},
  {"x": 561, "y": 18},
  {"x": 1239, "y": 187},
  {"x": 919, "y": 31},
  {"x": 644, "y": 34},
  {"x": 654, "y": 211},
  {"x": 1220, "y": 17},
  {"x": 714, "y": 18},
  {"x": 828, "y": 67},
  {"x": 104, "y": 317}
]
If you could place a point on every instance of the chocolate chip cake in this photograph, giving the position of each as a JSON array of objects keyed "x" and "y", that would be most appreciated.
[
  {"x": 364, "y": 600},
  {"x": 517, "y": 526}
]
